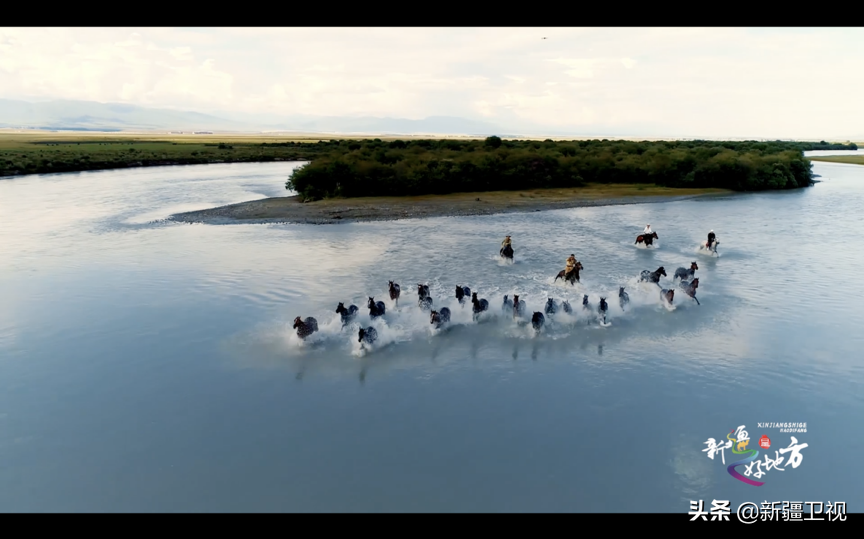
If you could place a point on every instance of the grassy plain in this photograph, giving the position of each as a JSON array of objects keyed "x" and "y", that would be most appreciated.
[{"x": 850, "y": 159}]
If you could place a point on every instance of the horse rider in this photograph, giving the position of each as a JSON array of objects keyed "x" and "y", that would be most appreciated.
[
  {"x": 647, "y": 230},
  {"x": 711, "y": 239},
  {"x": 571, "y": 265},
  {"x": 506, "y": 243}
]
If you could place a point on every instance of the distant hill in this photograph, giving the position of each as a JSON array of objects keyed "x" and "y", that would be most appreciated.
[{"x": 89, "y": 115}]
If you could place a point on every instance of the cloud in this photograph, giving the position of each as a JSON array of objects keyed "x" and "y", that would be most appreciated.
[{"x": 717, "y": 81}]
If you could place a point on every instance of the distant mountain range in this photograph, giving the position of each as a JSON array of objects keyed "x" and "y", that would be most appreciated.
[
  {"x": 65, "y": 115},
  {"x": 93, "y": 116}
]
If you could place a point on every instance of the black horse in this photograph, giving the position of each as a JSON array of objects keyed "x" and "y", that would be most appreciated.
[
  {"x": 667, "y": 295},
  {"x": 394, "y": 292},
  {"x": 585, "y": 305},
  {"x": 689, "y": 288},
  {"x": 440, "y": 318},
  {"x": 424, "y": 300},
  {"x": 507, "y": 252},
  {"x": 480, "y": 305},
  {"x": 537, "y": 321},
  {"x": 305, "y": 327},
  {"x": 518, "y": 307},
  {"x": 368, "y": 335},
  {"x": 686, "y": 274},
  {"x": 551, "y": 306},
  {"x": 652, "y": 276},
  {"x": 347, "y": 314},
  {"x": 647, "y": 239},
  {"x": 462, "y": 292},
  {"x": 623, "y": 298},
  {"x": 566, "y": 306},
  {"x": 376, "y": 309},
  {"x": 508, "y": 304},
  {"x": 572, "y": 277},
  {"x": 604, "y": 307}
]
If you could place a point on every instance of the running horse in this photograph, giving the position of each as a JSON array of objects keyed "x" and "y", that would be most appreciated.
[
  {"x": 573, "y": 277},
  {"x": 653, "y": 276},
  {"x": 689, "y": 288},
  {"x": 395, "y": 291},
  {"x": 647, "y": 239}
]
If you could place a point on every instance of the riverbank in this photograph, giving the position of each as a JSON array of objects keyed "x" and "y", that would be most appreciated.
[{"x": 293, "y": 210}]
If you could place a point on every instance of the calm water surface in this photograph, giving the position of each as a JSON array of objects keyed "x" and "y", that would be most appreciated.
[{"x": 147, "y": 365}]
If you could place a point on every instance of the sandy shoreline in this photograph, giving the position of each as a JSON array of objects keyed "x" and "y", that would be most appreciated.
[{"x": 292, "y": 210}]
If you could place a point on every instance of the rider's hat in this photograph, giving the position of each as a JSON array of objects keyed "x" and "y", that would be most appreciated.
[{"x": 712, "y": 231}]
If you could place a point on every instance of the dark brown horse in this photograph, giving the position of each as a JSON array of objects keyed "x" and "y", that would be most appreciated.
[
  {"x": 440, "y": 318},
  {"x": 647, "y": 239},
  {"x": 461, "y": 293},
  {"x": 368, "y": 335},
  {"x": 376, "y": 309},
  {"x": 480, "y": 304},
  {"x": 537, "y": 321},
  {"x": 667, "y": 295},
  {"x": 305, "y": 327},
  {"x": 689, "y": 288},
  {"x": 518, "y": 307},
  {"x": 394, "y": 292},
  {"x": 572, "y": 277}
]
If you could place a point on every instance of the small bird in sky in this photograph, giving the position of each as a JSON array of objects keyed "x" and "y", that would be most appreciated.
[{"x": 544, "y": 38}]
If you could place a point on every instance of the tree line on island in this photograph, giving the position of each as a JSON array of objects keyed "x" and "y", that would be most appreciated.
[
  {"x": 351, "y": 168},
  {"x": 422, "y": 167}
]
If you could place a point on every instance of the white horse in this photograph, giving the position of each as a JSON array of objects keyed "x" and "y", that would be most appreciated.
[{"x": 713, "y": 250}]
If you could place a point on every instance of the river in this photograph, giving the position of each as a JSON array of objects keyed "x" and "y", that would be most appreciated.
[{"x": 150, "y": 366}]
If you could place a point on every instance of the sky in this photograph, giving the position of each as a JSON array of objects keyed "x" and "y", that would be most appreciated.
[{"x": 736, "y": 82}]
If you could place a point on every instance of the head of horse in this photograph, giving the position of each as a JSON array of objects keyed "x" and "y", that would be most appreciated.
[
  {"x": 693, "y": 266},
  {"x": 694, "y": 284},
  {"x": 371, "y": 303},
  {"x": 620, "y": 291},
  {"x": 362, "y": 334},
  {"x": 297, "y": 322},
  {"x": 654, "y": 235},
  {"x": 340, "y": 308},
  {"x": 661, "y": 271},
  {"x": 670, "y": 295},
  {"x": 434, "y": 317}
]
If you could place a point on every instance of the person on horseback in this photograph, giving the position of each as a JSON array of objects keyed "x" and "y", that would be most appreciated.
[
  {"x": 571, "y": 265},
  {"x": 647, "y": 230},
  {"x": 711, "y": 238},
  {"x": 504, "y": 244}
]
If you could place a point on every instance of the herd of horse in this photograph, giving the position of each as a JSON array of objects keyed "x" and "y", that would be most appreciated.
[{"x": 688, "y": 283}]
